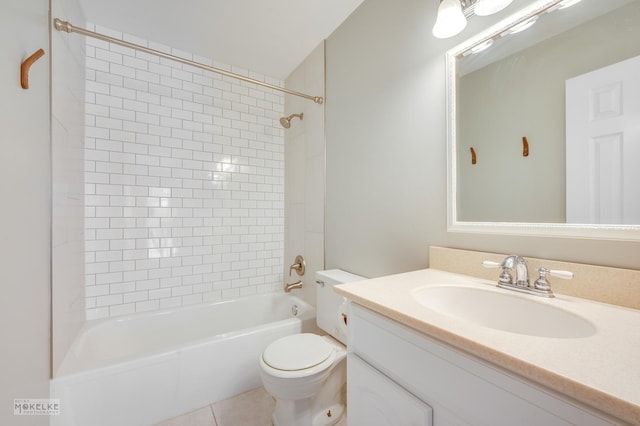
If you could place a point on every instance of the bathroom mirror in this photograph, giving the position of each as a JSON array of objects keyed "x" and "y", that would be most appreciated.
[{"x": 517, "y": 163}]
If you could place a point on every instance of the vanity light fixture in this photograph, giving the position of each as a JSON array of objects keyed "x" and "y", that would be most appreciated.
[
  {"x": 450, "y": 20},
  {"x": 452, "y": 14},
  {"x": 489, "y": 7}
]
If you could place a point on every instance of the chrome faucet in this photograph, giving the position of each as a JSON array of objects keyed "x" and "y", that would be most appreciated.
[
  {"x": 508, "y": 264},
  {"x": 521, "y": 283},
  {"x": 292, "y": 286},
  {"x": 522, "y": 272}
]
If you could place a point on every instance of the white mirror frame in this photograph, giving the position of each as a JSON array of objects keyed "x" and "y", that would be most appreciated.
[{"x": 566, "y": 230}]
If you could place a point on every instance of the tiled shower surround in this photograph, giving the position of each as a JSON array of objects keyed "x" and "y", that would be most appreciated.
[{"x": 184, "y": 182}]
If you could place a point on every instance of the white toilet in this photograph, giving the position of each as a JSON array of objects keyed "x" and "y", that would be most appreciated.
[{"x": 307, "y": 373}]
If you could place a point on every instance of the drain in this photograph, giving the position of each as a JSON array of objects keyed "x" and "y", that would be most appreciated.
[{"x": 294, "y": 310}]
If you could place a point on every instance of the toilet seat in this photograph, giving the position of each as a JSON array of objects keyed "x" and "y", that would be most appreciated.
[{"x": 298, "y": 352}]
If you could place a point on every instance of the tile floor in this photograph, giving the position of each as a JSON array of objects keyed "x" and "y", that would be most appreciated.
[{"x": 252, "y": 408}]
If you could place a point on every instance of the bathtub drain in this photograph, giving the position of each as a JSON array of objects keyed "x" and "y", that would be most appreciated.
[{"x": 294, "y": 310}]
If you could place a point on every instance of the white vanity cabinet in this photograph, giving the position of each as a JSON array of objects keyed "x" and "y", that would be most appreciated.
[
  {"x": 375, "y": 400},
  {"x": 397, "y": 376}
]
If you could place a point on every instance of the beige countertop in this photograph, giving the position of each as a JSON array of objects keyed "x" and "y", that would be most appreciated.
[{"x": 601, "y": 370}]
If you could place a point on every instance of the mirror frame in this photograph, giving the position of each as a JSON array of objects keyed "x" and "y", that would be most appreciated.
[{"x": 562, "y": 230}]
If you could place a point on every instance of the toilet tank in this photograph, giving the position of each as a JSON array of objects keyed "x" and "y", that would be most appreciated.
[{"x": 329, "y": 304}]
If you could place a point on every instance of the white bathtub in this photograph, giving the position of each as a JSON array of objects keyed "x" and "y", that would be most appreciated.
[{"x": 140, "y": 369}]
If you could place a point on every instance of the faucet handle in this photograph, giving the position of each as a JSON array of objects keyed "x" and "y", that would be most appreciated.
[
  {"x": 299, "y": 266},
  {"x": 542, "y": 284},
  {"x": 567, "y": 275},
  {"x": 505, "y": 276}
]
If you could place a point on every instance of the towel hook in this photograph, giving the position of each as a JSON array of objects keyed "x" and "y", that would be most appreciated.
[
  {"x": 525, "y": 147},
  {"x": 26, "y": 64}
]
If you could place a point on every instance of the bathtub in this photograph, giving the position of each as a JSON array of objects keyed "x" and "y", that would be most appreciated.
[{"x": 140, "y": 369}]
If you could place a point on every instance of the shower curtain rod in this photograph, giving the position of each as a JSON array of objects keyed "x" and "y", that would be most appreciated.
[{"x": 66, "y": 26}]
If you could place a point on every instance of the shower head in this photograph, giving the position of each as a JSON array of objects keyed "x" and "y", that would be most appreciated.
[{"x": 286, "y": 121}]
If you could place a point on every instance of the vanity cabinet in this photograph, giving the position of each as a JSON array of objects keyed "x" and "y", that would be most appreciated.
[
  {"x": 375, "y": 400},
  {"x": 395, "y": 371}
]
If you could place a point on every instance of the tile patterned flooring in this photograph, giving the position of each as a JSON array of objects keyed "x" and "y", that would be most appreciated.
[{"x": 252, "y": 408}]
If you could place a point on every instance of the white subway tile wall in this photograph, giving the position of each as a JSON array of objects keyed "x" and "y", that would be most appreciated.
[{"x": 184, "y": 181}]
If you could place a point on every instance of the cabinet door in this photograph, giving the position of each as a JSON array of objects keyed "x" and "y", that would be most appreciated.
[{"x": 375, "y": 400}]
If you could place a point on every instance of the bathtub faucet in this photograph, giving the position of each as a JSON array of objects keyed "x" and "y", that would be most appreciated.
[{"x": 292, "y": 286}]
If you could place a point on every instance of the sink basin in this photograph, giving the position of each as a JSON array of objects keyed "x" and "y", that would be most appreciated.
[{"x": 497, "y": 309}]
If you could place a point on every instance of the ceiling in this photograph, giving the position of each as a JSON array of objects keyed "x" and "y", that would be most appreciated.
[{"x": 270, "y": 37}]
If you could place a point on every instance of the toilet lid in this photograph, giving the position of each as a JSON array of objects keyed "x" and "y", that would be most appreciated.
[{"x": 297, "y": 352}]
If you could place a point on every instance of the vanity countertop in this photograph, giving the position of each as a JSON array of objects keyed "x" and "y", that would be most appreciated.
[{"x": 601, "y": 370}]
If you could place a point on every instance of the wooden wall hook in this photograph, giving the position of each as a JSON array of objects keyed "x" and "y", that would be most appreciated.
[
  {"x": 473, "y": 155},
  {"x": 26, "y": 64},
  {"x": 525, "y": 147}
]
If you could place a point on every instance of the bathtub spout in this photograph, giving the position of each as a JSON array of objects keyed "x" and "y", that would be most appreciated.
[{"x": 292, "y": 286}]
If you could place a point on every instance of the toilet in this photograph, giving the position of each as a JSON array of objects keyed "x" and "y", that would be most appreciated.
[{"x": 306, "y": 373}]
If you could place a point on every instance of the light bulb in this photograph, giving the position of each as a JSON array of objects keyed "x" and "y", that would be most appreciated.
[
  {"x": 489, "y": 7},
  {"x": 450, "y": 20}
]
